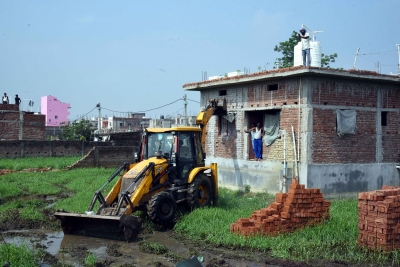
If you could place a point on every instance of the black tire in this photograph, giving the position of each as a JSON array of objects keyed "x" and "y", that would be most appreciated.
[
  {"x": 161, "y": 208},
  {"x": 200, "y": 192}
]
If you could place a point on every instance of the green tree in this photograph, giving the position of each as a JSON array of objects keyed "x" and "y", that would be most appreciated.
[
  {"x": 326, "y": 59},
  {"x": 76, "y": 130},
  {"x": 287, "y": 50}
]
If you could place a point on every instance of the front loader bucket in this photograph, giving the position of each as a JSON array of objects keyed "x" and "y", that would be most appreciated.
[{"x": 111, "y": 227}]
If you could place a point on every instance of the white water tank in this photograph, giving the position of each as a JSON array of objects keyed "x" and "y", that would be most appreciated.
[{"x": 315, "y": 54}]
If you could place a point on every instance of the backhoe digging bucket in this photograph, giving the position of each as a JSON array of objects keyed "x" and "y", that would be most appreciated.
[{"x": 111, "y": 227}]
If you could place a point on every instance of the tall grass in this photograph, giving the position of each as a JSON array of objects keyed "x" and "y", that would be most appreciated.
[
  {"x": 333, "y": 240},
  {"x": 19, "y": 255},
  {"x": 74, "y": 190},
  {"x": 19, "y": 164}
]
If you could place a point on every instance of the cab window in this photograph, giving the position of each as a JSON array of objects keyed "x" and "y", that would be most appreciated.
[{"x": 159, "y": 142}]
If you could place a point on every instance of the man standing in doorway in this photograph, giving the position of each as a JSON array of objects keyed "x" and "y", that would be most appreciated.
[
  {"x": 258, "y": 136},
  {"x": 305, "y": 46}
]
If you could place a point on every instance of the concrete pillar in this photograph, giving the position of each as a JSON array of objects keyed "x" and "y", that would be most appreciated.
[
  {"x": 21, "y": 125},
  {"x": 378, "y": 155}
]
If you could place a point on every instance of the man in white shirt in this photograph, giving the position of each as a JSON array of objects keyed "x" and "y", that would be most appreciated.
[
  {"x": 305, "y": 46},
  {"x": 257, "y": 141},
  {"x": 5, "y": 99}
]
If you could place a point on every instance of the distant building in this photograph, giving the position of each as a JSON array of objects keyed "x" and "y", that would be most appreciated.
[
  {"x": 173, "y": 122},
  {"x": 56, "y": 111},
  {"x": 132, "y": 123},
  {"x": 16, "y": 124}
]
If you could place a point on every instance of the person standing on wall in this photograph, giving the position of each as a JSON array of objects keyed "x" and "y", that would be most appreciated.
[
  {"x": 17, "y": 100},
  {"x": 258, "y": 136},
  {"x": 305, "y": 46},
  {"x": 5, "y": 99},
  {"x": 252, "y": 125}
]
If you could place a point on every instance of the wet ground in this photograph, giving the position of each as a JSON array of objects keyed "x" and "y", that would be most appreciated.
[{"x": 160, "y": 248}]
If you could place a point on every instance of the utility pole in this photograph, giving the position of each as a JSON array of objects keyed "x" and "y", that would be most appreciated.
[
  {"x": 185, "y": 106},
  {"x": 99, "y": 119}
]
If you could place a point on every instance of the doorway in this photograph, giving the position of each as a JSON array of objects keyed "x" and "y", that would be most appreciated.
[{"x": 253, "y": 117}]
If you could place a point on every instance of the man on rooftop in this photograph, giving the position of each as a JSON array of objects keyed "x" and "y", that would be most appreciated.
[{"x": 305, "y": 46}]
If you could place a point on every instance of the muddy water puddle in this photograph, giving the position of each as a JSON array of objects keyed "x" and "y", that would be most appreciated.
[{"x": 72, "y": 249}]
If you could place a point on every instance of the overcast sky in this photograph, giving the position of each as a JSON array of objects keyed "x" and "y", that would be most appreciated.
[{"x": 136, "y": 55}]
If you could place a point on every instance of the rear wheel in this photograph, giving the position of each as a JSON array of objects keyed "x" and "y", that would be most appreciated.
[
  {"x": 200, "y": 192},
  {"x": 161, "y": 208}
]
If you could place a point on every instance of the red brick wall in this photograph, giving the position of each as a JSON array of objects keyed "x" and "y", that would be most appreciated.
[
  {"x": 225, "y": 139},
  {"x": 33, "y": 127},
  {"x": 9, "y": 107},
  {"x": 362, "y": 97},
  {"x": 328, "y": 147},
  {"x": 9, "y": 122},
  {"x": 259, "y": 96},
  {"x": 31, "y": 148},
  {"x": 106, "y": 156}
]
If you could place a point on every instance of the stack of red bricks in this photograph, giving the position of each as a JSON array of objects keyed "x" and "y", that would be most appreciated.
[
  {"x": 379, "y": 219},
  {"x": 298, "y": 208}
]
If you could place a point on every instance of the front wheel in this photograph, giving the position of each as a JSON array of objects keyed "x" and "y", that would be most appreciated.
[
  {"x": 200, "y": 192},
  {"x": 161, "y": 208}
]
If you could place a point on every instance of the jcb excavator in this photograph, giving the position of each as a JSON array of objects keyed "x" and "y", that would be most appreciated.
[{"x": 169, "y": 170}]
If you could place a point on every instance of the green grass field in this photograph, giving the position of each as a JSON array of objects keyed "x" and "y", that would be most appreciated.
[
  {"x": 19, "y": 164},
  {"x": 333, "y": 240}
]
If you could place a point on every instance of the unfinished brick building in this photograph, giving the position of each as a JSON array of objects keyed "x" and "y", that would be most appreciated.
[
  {"x": 337, "y": 130},
  {"x": 20, "y": 125}
]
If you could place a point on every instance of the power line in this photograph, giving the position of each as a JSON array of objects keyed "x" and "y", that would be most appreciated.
[
  {"x": 85, "y": 114},
  {"x": 377, "y": 53},
  {"x": 379, "y": 63},
  {"x": 193, "y": 100},
  {"x": 143, "y": 110},
  {"x": 177, "y": 112}
]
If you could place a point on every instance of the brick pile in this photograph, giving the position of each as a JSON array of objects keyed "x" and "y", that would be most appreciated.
[
  {"x": 378, "y": 219},
  {"x": 298, "y": 208}
]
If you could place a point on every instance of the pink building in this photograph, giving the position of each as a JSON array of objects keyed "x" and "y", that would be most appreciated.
[{"x": 56, "y": 112}]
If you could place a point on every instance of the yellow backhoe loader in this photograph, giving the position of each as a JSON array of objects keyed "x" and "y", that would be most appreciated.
[{"x": 169, "y": 169}]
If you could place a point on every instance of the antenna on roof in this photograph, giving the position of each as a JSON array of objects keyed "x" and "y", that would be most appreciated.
[
  {"x": 313, "y": 32},
  {"x": 355, "y": 59}
]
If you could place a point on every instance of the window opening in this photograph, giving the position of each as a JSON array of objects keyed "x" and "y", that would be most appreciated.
[
  {"x": 384, "y": 118},
  {"x": 222, "y": 92},
  {"x": 272, "y": 87},
  {"x": 223, "y": 125}
]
